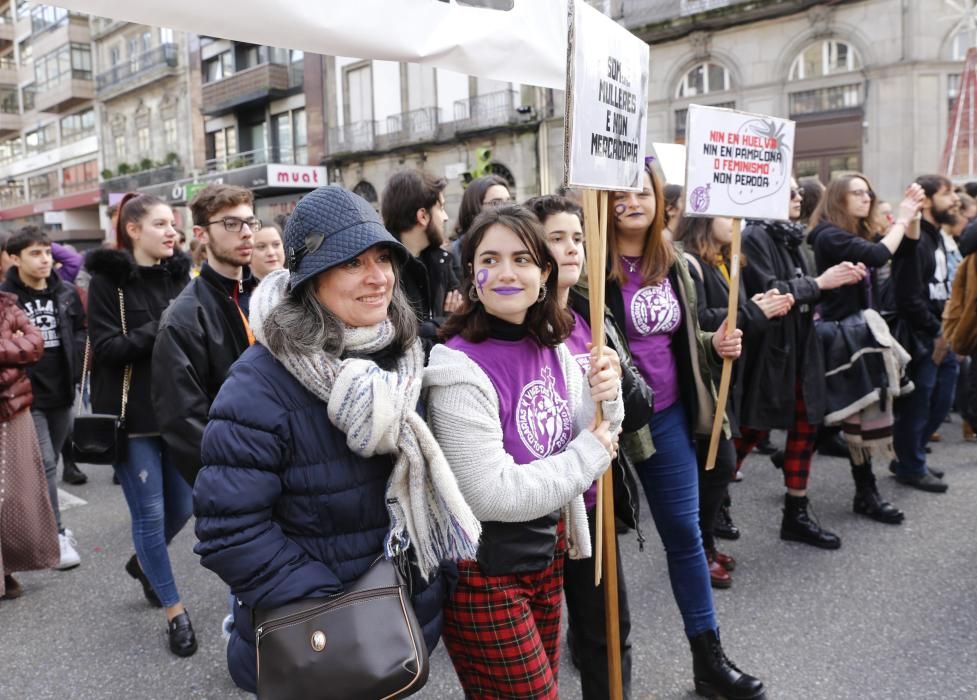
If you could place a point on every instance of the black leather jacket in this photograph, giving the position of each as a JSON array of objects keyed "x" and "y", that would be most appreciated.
[{"x": 200, "y": 336}]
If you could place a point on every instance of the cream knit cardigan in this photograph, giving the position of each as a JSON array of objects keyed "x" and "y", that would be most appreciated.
[{"x": 463, "y": 412}]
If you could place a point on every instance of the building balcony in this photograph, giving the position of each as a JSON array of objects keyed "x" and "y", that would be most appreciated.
[
  {"x": 9, "y": 72},
  {"x": 6, "y": 32},
  {"x": 72, "y": 89},
  {"x": 353, "y": 138},
  {"x": 10, "y": 121},
  {"x": 147, "y": 178},
  {"x": 487, "y": 111},
  {"x": 103, "y": 26},
  {"x": 161, "y": 62},
  {"x": 268, "y": 81},
  {"x": 416, "y": 126},
  {"x": 72, "y": 29}
]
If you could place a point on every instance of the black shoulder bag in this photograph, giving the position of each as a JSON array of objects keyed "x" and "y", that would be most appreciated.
[
  {"x": 365, "y": 643},
  {"x": 101, "y": 438}
]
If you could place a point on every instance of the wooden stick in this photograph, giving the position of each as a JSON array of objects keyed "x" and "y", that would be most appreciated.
[
  {"x": 734, "y": 293},
  {"x": 605, "y": 540}
]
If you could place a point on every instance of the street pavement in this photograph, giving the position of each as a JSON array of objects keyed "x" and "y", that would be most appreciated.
[{"x": 893, "y": 614}]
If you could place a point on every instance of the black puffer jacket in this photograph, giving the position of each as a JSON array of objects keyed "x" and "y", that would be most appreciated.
[
  {"x": 147, "y": 292},
  {"x": 789, "y": 350},
  {"x": 200, "y": 336}
]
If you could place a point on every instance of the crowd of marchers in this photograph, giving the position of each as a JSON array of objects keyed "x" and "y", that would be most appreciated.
[{"x": 343, "y": 386}]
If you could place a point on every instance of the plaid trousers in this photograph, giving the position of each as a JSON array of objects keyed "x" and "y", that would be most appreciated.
[
  {"x": 503, "y": 632},
  {"x": 798, "y": 451}
]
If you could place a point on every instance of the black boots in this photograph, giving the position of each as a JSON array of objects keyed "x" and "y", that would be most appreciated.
[
  {"x": 867, "y": 499},
  {"x": 716, "y": 676},
  {"x": 724, "y": 528},
  {"x": 799, "y": 526},
  {"x": 183, "y": 642}
]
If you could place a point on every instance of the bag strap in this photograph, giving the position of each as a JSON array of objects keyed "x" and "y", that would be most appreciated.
[
  {"x": 86, "y": 367},
  {"x": 127, "y": 373}
]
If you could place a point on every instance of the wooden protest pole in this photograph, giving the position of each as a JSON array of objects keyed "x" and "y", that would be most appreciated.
[
  {"x": 727, "y": 375},
  {"x": 605, "y": 544}
]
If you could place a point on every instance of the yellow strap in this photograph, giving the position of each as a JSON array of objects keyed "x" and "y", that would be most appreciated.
[{"x": 247, "y": 326}]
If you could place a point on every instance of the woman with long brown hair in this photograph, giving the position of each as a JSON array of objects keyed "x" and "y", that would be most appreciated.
[
  {"x": 859, "y": 390},
  {"x": 652, "y": 297}
]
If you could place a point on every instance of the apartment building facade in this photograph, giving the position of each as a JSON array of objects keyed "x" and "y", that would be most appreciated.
[{"x": 48, "y": 142}]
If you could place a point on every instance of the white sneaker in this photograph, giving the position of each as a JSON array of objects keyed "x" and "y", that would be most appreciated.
[{"x": 69, "y": 555}]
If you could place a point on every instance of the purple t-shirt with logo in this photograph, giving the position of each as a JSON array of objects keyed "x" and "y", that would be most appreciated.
[
  {"x": 651, "y": 316},
  {"x": 576, "y": 342},
  {"x": 533, "y": 407}
]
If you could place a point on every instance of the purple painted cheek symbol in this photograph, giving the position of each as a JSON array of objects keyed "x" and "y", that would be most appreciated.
[
  {"x": 619, "y": 209},
  {"x": 481, "y": 278}
]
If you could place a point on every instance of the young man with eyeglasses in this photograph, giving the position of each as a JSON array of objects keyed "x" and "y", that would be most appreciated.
[{"x": 206, "y": 328}]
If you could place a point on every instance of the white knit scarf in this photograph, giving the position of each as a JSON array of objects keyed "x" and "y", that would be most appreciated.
[{"x": 376, "y": 409}]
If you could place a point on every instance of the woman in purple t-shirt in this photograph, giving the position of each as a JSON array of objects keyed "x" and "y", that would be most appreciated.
[
  {"x": 513, "y": 414},
  {"x": 652, "y": 297}
]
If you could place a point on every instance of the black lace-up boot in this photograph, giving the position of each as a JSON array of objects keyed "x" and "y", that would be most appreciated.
[{"x": 716, "y": 676}]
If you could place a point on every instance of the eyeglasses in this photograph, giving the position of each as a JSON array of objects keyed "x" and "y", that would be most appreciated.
[
  {"x": 498, "y": 202},
  {"x": 313, "y": 242},
  {"x": 799, "y": 192},
  {"x": 858, "y": 194},
  {"x": 234, "y": 225}
]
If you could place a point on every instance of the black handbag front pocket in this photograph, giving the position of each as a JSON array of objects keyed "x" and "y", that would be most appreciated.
[{"x": 98, "y": 439}]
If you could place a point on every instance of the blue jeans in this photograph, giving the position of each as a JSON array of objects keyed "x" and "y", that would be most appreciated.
[
  {"x": 52, "y": 426},
  {"x": 943, "y": 392},
  {"x": 160, "y": 502},
  {"x": 913, "y": 417},
  {"x": 670, "y": 478}
]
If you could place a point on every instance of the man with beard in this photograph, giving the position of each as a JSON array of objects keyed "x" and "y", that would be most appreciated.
[
  {"x": 921, "y": 284},
  {"x": 413, "y": 211},
  {"x": 206, "y": 328}
]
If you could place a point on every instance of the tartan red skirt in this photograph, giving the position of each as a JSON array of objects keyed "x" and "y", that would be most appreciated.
[{"x": 503, "y": 632}]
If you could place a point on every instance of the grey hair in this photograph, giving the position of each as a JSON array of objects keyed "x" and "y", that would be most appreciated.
[{"x": 300, "y": 325}]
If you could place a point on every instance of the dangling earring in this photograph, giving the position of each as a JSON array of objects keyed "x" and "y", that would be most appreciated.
[
  {"x": 472, "y": 294},
  {"x": 542, "y": 294}
]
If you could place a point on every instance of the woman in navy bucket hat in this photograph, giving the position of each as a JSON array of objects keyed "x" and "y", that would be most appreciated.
[{"x": 314, "y": 446}]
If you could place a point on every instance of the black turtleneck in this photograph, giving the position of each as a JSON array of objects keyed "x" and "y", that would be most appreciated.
[{"x": 503, "y": 330}]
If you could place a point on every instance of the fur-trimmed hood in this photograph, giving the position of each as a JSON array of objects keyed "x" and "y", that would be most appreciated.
[{"x": 120, "y": 267}]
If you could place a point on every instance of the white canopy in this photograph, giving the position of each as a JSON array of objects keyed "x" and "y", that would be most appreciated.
[{"x": 523, "y": 41}]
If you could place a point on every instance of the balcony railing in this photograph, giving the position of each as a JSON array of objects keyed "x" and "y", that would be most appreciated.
[
  {"x": 484, "y": 111},
  {"x": 351, "y": 138},
  {"x": 412, "y": 127},
  {"x": 134, "y": 181},
  {"x": 137, "y": 70}
]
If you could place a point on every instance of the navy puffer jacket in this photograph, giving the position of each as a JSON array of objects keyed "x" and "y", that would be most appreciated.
[{"x": 284, "y": 509}]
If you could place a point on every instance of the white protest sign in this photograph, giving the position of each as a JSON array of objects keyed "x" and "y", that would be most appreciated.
[
  {"x": 671, "y": 159},
  {"x": 738, "y": 164},
  {"x": 521, "y": 41},
  {"x": 607, "y": 103}
]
